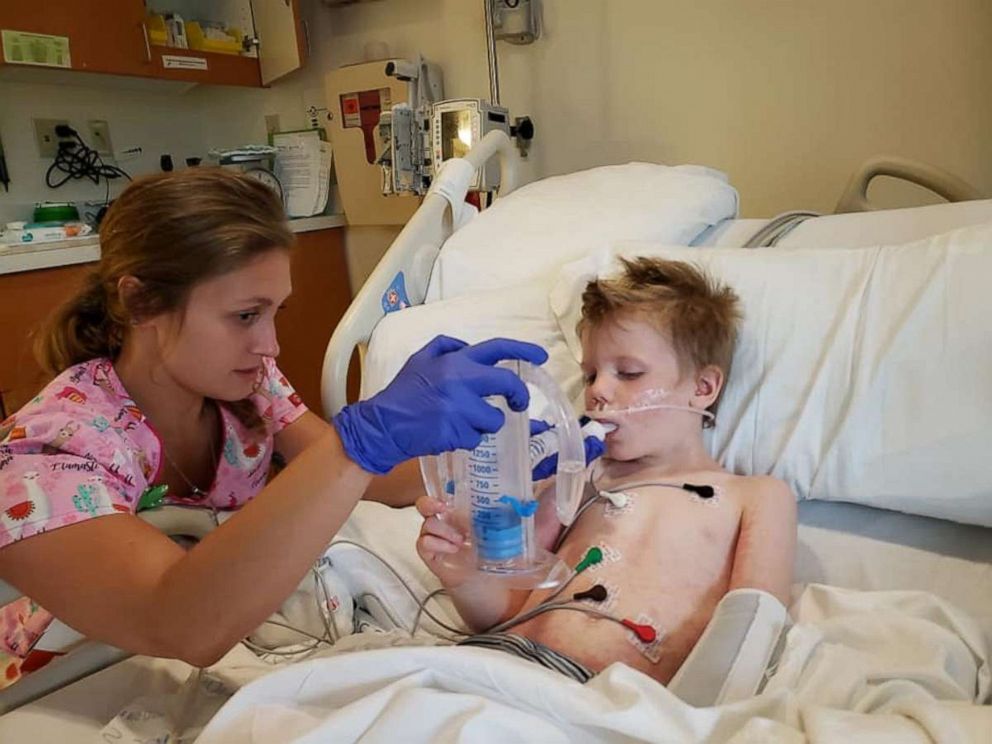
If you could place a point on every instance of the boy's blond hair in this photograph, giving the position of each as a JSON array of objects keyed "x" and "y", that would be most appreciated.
[{"x": 698, "y": 314}]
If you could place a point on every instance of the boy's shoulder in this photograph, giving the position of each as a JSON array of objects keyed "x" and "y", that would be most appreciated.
[{"x": 761, "y": 490}]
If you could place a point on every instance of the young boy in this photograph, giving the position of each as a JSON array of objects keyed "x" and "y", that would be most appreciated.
[{"x": 659, "y": 337}]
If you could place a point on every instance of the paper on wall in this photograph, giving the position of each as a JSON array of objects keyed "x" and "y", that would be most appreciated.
[{"x": 303, "y": 167}]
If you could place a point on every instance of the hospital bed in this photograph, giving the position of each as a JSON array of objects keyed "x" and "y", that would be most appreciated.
[{"x": 841, "y": 544}]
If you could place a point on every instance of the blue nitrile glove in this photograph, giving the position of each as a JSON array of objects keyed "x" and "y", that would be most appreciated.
[
  {"x": 592, "y": 440},
  {"x": 435, "y": 403}
]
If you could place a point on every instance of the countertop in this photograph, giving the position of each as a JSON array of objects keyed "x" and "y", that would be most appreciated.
[{"x": 87, "y": 249}]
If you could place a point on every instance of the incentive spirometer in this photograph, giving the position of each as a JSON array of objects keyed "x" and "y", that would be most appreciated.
[{"x": 490, "y": 493}]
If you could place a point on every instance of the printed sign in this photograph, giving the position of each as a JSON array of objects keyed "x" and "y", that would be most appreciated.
[
  {"x": 175, "y": 62},
  {"x": 44, "y": 50}
]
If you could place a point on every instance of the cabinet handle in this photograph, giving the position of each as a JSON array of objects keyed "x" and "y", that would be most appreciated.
[{"x": 148, "y": 48}]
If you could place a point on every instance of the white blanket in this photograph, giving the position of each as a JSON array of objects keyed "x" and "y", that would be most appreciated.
[{"x": 883, "y": 667}]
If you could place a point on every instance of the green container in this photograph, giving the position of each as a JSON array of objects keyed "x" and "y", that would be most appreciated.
[{"x": 55, "y": 212}]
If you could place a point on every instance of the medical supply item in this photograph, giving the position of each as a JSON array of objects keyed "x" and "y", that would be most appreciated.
[
  {"x": 214, "y": 37},
  {"x": 436, "y": 403},
  {"x": 516, "y": 21},
  {"x": 457, "y": 125},
  {"x": 543, "y": 446},
  {"x": 489, "y": 488},
  {"x": 649, "y": 400},
  {"x": 55, "y": 212},
  {"x": 175, "y": 29},
  {"x": 19, "y": 233},
  {"x": 358, "y": 95},
  {"x": 646, "y": 633},
  {"x": 394, "y": 119}
]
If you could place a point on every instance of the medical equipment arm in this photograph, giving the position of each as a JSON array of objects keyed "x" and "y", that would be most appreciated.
[
  {"x": 412, "y": 253},
  {"x": 766, "y": 544}
]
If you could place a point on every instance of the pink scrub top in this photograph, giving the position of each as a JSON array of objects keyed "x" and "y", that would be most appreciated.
[{"x": 83, "y": 449}]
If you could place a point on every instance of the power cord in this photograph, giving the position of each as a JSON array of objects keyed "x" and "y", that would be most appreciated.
[{"x": 77, "y": 160}]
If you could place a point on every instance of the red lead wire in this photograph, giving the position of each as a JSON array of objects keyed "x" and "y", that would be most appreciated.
[{"x": 644, "y": 633}]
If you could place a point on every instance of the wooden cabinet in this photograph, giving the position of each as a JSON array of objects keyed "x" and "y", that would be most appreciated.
[
  {"x": 321, "y": 294},
  {"x": 28, "y": 297},
  {"x": 110, "y": 36},
  {"x": 104, "y": 35}
]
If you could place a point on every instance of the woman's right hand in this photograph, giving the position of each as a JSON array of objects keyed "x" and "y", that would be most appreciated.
[{"x": 436, "y": 403}]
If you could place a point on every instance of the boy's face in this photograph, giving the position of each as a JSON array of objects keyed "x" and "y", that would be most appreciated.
[{"x": 627, "y": 362}]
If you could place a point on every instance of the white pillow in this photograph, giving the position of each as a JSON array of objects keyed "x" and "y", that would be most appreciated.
[
  {"x": 520, "y": 312},
  {"x": 861, "y": 375},
  {"x": 541, "y": 226}
]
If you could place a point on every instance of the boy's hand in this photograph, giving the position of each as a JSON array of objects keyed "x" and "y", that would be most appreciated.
[{"x": 440, "y": 540}]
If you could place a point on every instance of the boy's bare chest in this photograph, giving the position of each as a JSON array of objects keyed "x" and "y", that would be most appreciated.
[
  {"x": 667, "y": 560},
  {"x": 659, "y": 536}
]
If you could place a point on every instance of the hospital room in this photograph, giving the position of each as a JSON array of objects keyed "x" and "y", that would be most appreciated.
[{"x": 467, "y": 371}]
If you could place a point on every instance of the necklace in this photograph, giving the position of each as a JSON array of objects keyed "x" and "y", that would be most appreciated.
[{"x": 195, "y": 492}]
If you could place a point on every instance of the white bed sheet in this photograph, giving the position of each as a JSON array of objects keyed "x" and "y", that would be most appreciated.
[{"x": 892, "y": 667}]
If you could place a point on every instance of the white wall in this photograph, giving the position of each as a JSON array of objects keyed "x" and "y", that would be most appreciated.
[{"x": 787, "y": 96}]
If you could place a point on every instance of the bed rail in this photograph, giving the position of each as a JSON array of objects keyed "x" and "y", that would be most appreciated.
[
  {"x": 937, "y": 180},
  {"x": 412, "y": 254}
]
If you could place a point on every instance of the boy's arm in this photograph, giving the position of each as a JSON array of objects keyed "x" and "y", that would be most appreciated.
[
  {"x": 766, "y": 545},
  {"x": 483, "y": 602}
]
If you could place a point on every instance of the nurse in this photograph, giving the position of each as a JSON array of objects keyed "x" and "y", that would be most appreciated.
[{"x": 166, "y": 390}]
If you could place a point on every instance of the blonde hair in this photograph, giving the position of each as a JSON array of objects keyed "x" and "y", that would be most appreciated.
[
  {"x": 699, "y": 315},
  {"x": 170, "y": 231}
]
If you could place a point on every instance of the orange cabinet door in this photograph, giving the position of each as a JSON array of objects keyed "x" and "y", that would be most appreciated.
[
  {"x": 321, "y": 294},
  {"x": 104, "y": 35},
  {"x": 28, "y": 299}
]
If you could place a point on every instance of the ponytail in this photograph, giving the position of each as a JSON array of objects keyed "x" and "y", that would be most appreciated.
[{"x": 83, "y": 328}]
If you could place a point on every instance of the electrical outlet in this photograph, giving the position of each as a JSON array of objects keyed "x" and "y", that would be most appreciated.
[
  {"x": 44, "y": 132},
  {"x": 100, "y": 136}
]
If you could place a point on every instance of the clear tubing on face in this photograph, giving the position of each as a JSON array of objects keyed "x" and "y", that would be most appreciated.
[{"x": 649, "y": 400}]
